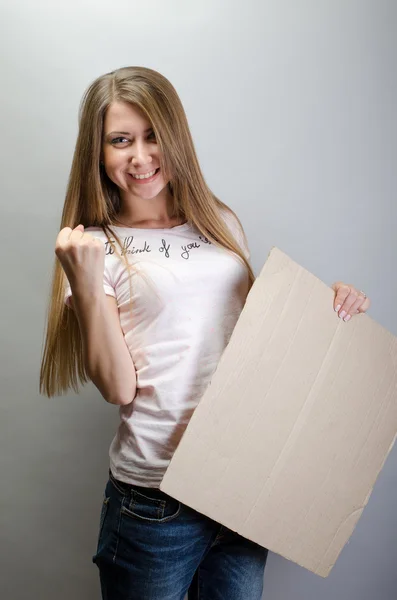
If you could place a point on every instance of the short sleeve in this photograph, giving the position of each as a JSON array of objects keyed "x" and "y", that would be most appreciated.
[
  {"x": 107, "y": 286},
  {"x": 237, "y": 231}
]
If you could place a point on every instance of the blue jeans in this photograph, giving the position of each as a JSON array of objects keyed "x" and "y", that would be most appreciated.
[{"x": 152, "y": 547}]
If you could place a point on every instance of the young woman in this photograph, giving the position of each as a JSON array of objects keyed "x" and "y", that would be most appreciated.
[{"x": 151, "y": 275}]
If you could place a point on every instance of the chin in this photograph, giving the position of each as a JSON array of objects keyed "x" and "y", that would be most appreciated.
[
  {"x": 148, "y": 191},
  {"x": 149, "y": 195}
]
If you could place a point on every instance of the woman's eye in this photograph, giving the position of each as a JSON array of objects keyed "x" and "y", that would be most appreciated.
[
  {"x": 152, "y": 135},
  {"x": 119, "y": 140}
]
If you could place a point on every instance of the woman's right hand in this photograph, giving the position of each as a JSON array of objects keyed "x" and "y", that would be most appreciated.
[{"x": 82, "y": 257}]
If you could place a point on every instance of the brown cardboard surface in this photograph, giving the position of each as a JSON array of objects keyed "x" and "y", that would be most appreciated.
[{"x": 287, "y": 442}]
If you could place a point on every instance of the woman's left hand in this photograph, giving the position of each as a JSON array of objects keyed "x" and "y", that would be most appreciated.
[{"x": 349, "y": 301}]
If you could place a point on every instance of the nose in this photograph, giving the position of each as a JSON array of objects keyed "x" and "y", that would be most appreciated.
[{"x": 141, "y": 154}]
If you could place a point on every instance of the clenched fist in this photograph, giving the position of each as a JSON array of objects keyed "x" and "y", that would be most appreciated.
[{"x": 82, "y": 257}]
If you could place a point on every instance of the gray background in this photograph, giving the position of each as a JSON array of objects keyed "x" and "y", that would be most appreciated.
[{"x": 292, "y": 105}]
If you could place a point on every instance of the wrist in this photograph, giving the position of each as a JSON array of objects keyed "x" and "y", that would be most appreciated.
[{"x": 84, "y": 295}]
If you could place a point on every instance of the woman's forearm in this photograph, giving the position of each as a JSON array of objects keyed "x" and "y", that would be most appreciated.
[{"x": 106, "y": 357}]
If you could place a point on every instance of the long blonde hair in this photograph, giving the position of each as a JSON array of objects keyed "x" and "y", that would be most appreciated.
[{"x": 92, "y": 199}]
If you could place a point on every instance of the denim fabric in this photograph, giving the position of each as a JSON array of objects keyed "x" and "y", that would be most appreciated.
[{"x": 152, "y": 547}]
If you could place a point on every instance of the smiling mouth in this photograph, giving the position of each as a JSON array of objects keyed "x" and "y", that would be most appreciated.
[{"x": 145, "y": 176}]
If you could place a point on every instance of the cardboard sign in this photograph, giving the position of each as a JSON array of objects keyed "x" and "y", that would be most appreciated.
[{"x": 299, "y": 417}]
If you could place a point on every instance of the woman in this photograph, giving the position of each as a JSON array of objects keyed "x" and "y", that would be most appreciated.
[{"x": 157, "y": 272}]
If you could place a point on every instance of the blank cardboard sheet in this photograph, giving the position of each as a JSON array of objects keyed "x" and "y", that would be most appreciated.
[{"x": 287, "y": 442}]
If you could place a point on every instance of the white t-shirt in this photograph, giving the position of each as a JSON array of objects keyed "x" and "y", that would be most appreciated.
[{"x": 183, "y": 313}]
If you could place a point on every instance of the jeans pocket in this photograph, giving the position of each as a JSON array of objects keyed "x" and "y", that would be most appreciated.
[{"x": 146, "y": 508}]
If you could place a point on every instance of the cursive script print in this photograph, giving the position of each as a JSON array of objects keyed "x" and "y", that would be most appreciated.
[
  {"x": 129, "y": 249},
  {"x": 186, "y": 249},
  {"x": 204, "y": 239},
  {"x": 109, "y": 247},
  {"x": 165, "y": 248}
]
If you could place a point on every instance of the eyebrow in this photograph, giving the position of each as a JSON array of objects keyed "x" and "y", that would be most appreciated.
[{"x": 127, "y": 132}]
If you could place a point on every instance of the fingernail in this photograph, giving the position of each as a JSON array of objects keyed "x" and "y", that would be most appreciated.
[
  {"x": 342, "y": 314},
  {"x": 337, "y": 309},
  {"x": 347, "y": 318}
]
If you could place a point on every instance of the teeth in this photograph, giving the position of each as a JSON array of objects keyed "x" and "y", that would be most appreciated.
[{"x": 146, "y": 176}]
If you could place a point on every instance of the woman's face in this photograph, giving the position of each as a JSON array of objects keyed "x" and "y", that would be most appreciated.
[{"x": 130, "y": 149}]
